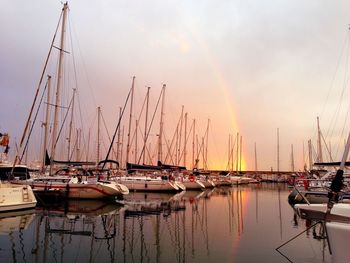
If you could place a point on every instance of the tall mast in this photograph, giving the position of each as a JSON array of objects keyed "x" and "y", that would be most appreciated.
[
  {"x": 229, "y": 152},
  {"x": 149, "y": 156},
  {"x": 345, "y": 154},
  {"x": 180, "y": 136},
  {"x": 118, "y": 141},
  {"x": 136, "y": 128},
  {"x": 146, "y": 124},
  {"x": 176, "y": 142},
  {"x": 88, "y": 146},
  {"x": 98, "y": 133},
  {"x": 237, "y": 152},
  {"x": 130, "y": 117},
  {"x": 46, "y": 122},
  {"x": 70, "y": 127},
  {"x": 256, "y": 159},
  {"x": 59, "y": 80},
  {"x": 185, "y": 142},
  {"x": 77, "y": 157},
  {"x": 278, "y": 150},
  {"x": 292, "y": 159},
  {"x": 203, "y": 154},
  {"x": 310, "y": 155},
  {"x": 206, "y": 145},
  {"x": 232, "y": 150},
  {"x": 197, "y": 151},
  {"x": 193, "y": 142},
  {"x": 26, "y": 153},
  {"x": 304, "y": 164},
  {"x": 240, "y": 155},
  {"x": 161, "y": 126},
  {"x": 121, "y": 146},
  {"x": 38, "y": 88},
  {"x": 319, "y": 146}
]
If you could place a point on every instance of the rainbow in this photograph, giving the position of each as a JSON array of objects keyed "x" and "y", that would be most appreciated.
[
  {"x": 224, "y": 88},
  {"x": 222, "y": 84}
]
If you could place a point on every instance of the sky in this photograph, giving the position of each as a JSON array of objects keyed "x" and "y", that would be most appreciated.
[{"x": 249, "y": 66}]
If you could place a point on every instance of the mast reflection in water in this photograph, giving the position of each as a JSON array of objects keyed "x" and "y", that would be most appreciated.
[{"x": 238, "y": 224}]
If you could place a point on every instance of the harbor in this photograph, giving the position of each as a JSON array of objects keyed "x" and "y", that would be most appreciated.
[{"x": 174, "y": 132}]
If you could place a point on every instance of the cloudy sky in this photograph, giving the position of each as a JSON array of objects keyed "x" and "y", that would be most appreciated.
[{"x": 249, "y": 66}]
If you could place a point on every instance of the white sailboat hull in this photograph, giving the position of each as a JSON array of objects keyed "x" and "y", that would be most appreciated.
[
  {"x": 148, "y": 184},
  {"x": 84, "y": 190},
  {"x": 193, "y": 185},
  {"x": 16, "y": 197},
  {"x": 339, "y": 211},
  {"x": 207, "y": 183},
  {"x": 338, "y": 236}
]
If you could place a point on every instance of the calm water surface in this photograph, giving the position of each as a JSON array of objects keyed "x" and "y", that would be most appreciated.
[{"x": 236, "y": 224}]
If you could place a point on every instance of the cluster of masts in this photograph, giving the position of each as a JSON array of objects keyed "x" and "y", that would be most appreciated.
[{"x": 174, "y": 151}]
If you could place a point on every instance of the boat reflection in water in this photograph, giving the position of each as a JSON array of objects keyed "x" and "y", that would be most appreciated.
[
  {"x": 13, "y": 226},
  {"x": 220, "y": 224},
  {"x": 143, "y": 204},
  {"x": 16, "y": 221},
  {"x": 157, "y": 227}
]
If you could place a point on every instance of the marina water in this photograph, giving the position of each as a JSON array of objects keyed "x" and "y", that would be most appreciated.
[{"x": 232, "y": 224}]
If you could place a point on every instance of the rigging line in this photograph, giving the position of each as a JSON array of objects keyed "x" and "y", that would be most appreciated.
[
  {"x": 90, "y": 126},
  {"x": 172, "y": 140},
  {"x": 73, "y": 149},
  {"x": 340, "y": 145},
  {"x": 336, "y": 114},
  {"x": 334, "y": 74},
  {"x": 109, "y": 137},
  {"x": 328, "y": 150},
  {"x": 314, "y": 153},
  {"x": 150, "y": 126},
  {"x": 81, "y": 118},
  {"x": 186, "y": 140},
  {"x": 285, "y": 243},
  {"x": 168, "y": 148},
  {"x": 82, "y": 61},
  {"x": 201, "y": 149},
  {"x": 230, "y": 154},
  {"x": 32, "y": 126},
  {"x": 40, "y": 81},
  {"x": 116, "y": 129},
  {"x": 75, "y": 71},
  {"x": 147, "y": 151},
  {"x": 73, "y": 31},
  {"x": 64, "y": 120},
  {"x": 347, "y": 113},
  {"x": 135, "y": 131},
  {"x": 58, "y": 106}
]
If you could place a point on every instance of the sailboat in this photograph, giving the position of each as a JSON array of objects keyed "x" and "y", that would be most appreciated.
[
  {"x": 141, "y": 177},
  {"x": 9, "y": 170},
  {"x": 335, "y": 214},
  {"x": 72, "y": 184},
  {"x": 13, "y": 197},
  {"x": 16, "y": 197}
]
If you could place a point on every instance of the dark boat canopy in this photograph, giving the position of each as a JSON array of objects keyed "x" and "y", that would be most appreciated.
[
  {"x": 170, "y": 166},
  {"x": 108, "y": 161},
  {"x": 132, "y": 167},
  {"x": 72, "y": 163},
  {"x": 331, "y": 164}
]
